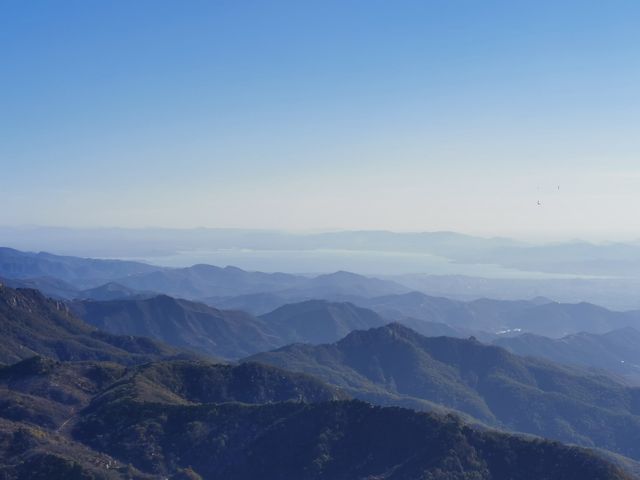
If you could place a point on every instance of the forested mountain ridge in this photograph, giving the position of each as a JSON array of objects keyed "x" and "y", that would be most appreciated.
[
  {"x": 395, "y": 365},
  {"x": 31, "y": 324},
  {"x": 180, "y": 419}
]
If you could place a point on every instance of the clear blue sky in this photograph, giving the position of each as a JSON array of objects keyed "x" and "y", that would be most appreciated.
[{"x": 402, "y": 115}]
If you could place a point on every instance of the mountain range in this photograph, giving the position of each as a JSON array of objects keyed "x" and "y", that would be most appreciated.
[
  {"x": 111, "y": 377},
  {"x": 79, "y": 272},
  {"x": 540, "y": 316},
  {"x": 395, "y": 365},
  {"x": 258, "y": 293},
  {"x": 73, "y": 277},
  {"x": 165, "y": 414},
  {"x": 228, "y": 334},
  {"x": 460, "y": 253},
  {"x": 181, "y": 323},
  {"x": 196, "y": 420}
]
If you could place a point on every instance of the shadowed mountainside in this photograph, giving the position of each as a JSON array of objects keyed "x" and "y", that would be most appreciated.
[
  {"x": 31, "y": 324},
  {"x": 395, "y": 365},
  {"x": 181, "y": 323},
  {"x": 225, "y": 333}
]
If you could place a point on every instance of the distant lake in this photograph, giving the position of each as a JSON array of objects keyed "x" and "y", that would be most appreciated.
[{"x": 331, "y": 260}]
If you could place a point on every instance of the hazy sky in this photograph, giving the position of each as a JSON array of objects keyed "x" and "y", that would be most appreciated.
[{"x": 402, "y": 115}]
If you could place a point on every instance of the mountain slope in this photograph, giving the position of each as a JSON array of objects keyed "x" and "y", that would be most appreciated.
[
  {"x": 178, "y": 419},
  {"x": 31, "y": 325},
  {"x": 394, "y": 364},
  {"x": 41, "y": 400},
  {"x": 45, "y": 392},
  {"x": 181, "y": 323},
  {"x": 319, "y": 321},
  {"x": 200, "y": 281},
  {"x": 329, "y": 440},
  {"x": 188, "y": 382}
]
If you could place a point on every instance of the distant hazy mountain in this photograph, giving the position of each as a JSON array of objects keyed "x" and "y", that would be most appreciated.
[
  {"x": 31, "y": 325},
  {"x": 347, "y": 283},
  {"x": 450, "y": 252},
  {"x": 205, "y": 281},
  {"x": 612, "y": 292},
  {"x": 395, "y": 365},
  {"x": 319, "y": 321},
  {"x": 617, "y": 351},
  {"x": 74, "y": 277},
  {"x": 502, "y": 316},
  {"x": 200, "y": 281},
  {"x": 185, "y": 324},
  {"x": 576, "y": 257},
  {"x": 80, "y": 272},
  {"x": 265, "y": 303},
  {"x": 111, "y": 291},
  {"x": 147, "y": 242},
  {"x": 254, "y": 303},
  {"x": 258, "y": 293},
  {"x": 437, "y": 329},
  {"x": 50, "y": 286}
]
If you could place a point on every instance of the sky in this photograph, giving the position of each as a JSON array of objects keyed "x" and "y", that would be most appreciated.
[{"x": 425, "y": 115}]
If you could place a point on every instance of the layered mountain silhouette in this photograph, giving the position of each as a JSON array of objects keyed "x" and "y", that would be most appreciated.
[
  {"x": 226, "y": 333},
  {"x": 206, "y": 281},
  {"x": 75, "y": 277},
  {"x": 231, "y": 288},
  {"x": 395, "y": 365},
  {"x": 130, "y": 409},
  {"x": 79, "y": 272},
  {"x": 503, "y": 316},
  {"x": 201, "y": 281}
]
